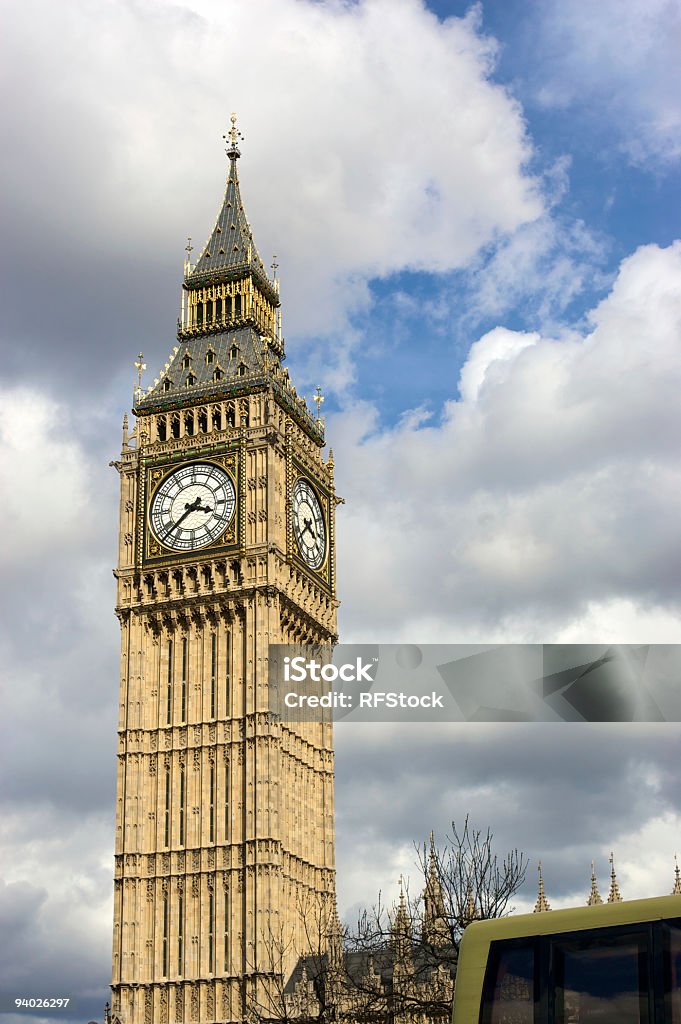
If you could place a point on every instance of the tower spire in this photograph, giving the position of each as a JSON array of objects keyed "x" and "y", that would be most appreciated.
[
  {"x": 401, "y": 929},
  {"x": 614, "y": 896},
  {"x": 676, "y": 891},
  {"x": 542, "y": 903},
  {"x": 594, "y": 896},
  {"x": 232, "y": 137}
]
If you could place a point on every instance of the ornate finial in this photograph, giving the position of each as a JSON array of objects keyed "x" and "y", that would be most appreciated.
[
  {"x": 318, "y": 398},
  {"x": 232, "y": 139},
  {"x": 594, "y": 896},
  {"x": 470, "y": 911},
  {"x": 125, "y": 431},
  {"x": 542, "y": 903},
  {"x": 140, "y": 366},
  {"x": 330, "y": 463},
  {"x": 275, "y": 267},
  {"x": 676, "y": 891},
  {"x": 614, "y": 896},
  {"x": 432, "y": 856}
]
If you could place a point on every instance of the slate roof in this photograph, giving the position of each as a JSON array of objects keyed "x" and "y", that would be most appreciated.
[
  {"x": 230, "y": 250},
  {"x": 358, "y": 965},
  {"x": 230, "y": 350}
]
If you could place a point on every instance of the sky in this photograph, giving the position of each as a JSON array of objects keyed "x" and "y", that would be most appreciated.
[{"x": 474, "y": 209}]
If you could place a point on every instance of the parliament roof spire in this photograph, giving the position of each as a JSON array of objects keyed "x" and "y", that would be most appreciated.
[{"x": 230, "y": 252}]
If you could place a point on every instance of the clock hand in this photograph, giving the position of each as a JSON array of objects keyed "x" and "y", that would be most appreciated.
[
  {"x": 195, "y": 506},
  {"x": 308, "y": 526}
]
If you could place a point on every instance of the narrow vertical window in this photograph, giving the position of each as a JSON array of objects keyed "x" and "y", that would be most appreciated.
[
  {"x": 213, "y": 666},
  {"x": 166, "y": 815},
  {"x": 225, "y": 932},
  {"x": 211, "y": 827},
  {"x": 183, "y": 714},
  {"x": 211, "y": 922},
  {"x": 226, "y": 802},
  {"x": 169, "y": 690},
  {"x": 228, "y": 662},
  {"x": 182, "y": 805},
  {"x": 180, "y": 932},
  {"x": 165, "y": 935}
]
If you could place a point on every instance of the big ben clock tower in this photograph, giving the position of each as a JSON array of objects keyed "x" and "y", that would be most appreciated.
[{"x": 224, "y": 815}]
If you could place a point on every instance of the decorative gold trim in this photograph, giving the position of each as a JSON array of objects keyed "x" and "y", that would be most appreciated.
[
  {"x": 153, "y": 553},
  {"x": 295, "y": 471}
]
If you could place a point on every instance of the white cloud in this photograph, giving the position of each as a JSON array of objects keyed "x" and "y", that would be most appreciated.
[
  {"x": 619, "y": 57},
  {"x": 548, "y": 495},
  {"x": 488, "y": 356},
  {"x": 44, "y": 478},
  {"x": 375, "y": 139},
  {"x": 544, "y": 264}
]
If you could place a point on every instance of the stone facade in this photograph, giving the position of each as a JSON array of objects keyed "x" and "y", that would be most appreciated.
[{"x": 224, "y": 816}]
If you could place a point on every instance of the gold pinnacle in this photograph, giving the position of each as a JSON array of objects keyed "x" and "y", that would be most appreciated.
[
  {"x": 232, "y": 137},
  {"x": 542, "y": 903},
  {"x": 140, "y": 366},
  {"x": 318, "y": 398},
  {"x": 676, "y": 891},
  {"x": 614, "y": 896}
]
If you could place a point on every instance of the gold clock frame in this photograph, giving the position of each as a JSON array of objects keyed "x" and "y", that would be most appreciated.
[
  {"x": 295, "y": 471},
  {"x": 154, "y": 552}
]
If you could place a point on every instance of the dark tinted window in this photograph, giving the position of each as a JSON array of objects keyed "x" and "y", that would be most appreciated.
[
  {"x": 509, "y": 996},
  {"x": 601, "y": 981},
  {"x": 673, "y": 973}
]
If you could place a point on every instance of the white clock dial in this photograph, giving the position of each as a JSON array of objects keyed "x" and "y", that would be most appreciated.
[
  {"x": 192, "y": 506},
  {"x": 308, "y": 523}
]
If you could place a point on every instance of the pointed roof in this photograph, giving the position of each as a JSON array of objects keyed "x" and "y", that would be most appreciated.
[
  {"x": 594, "y": 896},
  {"x": 434, "y": 929},
  {"x": 542, "y": 903},
  {"x": 614, "y": 896},
  {"x": 676, "y": 891},
  {"x": 402, "y": 924},
  {"x": 471, "y": 912},
  {"x": 230, "y": 250}
]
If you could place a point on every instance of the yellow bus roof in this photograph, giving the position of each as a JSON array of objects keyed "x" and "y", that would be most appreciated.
[{"x": 474, "y": 949}]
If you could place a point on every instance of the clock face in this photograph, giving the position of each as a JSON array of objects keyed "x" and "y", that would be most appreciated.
[
  {"x": 192, "y": 506},
  {"x": 308, "y": 524}
]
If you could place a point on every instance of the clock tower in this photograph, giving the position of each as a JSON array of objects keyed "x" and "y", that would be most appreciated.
[{"x": 224, "y": 815}]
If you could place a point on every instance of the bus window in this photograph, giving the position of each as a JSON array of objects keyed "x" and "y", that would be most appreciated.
[
  {"x": 509, "y": 998},
  {"x": 672, "y": 981},
  {"x": 601, "y": 980}
]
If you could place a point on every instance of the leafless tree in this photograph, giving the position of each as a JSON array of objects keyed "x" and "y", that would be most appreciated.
[
  {"x": 469, "y": 877},
  {"x": 415, "y": 944},
  {"x": 397, "y": 964},
  {"x": 298, "y": 974}
]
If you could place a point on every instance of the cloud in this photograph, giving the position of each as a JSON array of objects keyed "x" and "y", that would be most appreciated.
[
  {"x": 375, "y": 141},
  {"x": 599, "y": 788},
  {"x": 622, "y": 58},
  {"x": 539, "y": 268},
  {"x": 46, "y": 498},
  {"x": 550, "y": 488}
]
